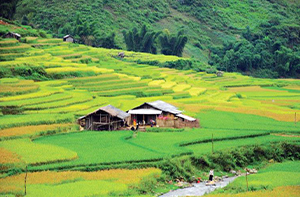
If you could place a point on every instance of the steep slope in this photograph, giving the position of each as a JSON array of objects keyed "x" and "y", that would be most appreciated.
[{"x": 206, "y": 22}]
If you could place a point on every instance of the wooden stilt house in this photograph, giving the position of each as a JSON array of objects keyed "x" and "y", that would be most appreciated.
[
  {"x": 161, "y": 114},
  {"x": 106, "y": 118}
]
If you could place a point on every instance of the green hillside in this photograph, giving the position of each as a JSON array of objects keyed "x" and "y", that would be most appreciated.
[{"x": 256, "y": 37}]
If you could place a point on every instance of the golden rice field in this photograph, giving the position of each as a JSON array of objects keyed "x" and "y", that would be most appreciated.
[
  {"x": 32, "y": 130},
  {"x": 15, "y": 184}
]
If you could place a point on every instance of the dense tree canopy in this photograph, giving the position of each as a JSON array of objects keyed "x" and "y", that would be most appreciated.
[
  {"x": 263, "y": 55},
  {"x": 172, "y": 44},
  {"x": 142, "y": 41},
  {"x": 8, "y": 8}
]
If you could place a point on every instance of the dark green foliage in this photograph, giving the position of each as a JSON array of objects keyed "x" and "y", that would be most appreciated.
[
  {"x": 107, "y": 41},
  {"x": 141, "y": 41},
  {"x": 226, "y": 160},
  {"x": 181, "y": 64},
  {"x": 11, "y": 109},
  {"x": 268, "y": 46},
  {"x": 195, "y": 65},
  {"x": 25, "y": 72},
  {"x": 8, "y": 8},
  {"x": 24, "y": 20},
  {"x": 30, "y": 72},
  {"x": 181, "y": 167},
  {"x": 5, "y": 72},
  {"x": 261, "y": 54},
  {"x": 172, "y": 44}
]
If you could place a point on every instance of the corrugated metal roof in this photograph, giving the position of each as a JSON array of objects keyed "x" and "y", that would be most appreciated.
[
  {"x": 67, "y": 36},
  {"x": 163, "y": 106},
  {"x": 185, "y": 117},
  {"x": 145, "y": 111},
  {"x": 17, "y": 34},
  {"x": 111, "y": 110}
]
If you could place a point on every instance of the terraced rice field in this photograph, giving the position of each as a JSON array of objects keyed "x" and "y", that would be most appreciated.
[{"x": 52, "y": 83}]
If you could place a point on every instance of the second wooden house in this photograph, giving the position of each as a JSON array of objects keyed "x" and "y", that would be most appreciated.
[{"x": 161, "y": 114}]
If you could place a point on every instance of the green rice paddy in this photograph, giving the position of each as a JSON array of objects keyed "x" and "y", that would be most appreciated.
[{"x": 237, "y": 110}]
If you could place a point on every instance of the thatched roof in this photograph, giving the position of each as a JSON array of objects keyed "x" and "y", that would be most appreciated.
[{"x": 113, "y": 111}]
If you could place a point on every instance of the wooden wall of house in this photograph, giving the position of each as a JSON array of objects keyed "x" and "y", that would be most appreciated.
[
  {"x": 103, "y": 118},
  {"x": 177, "y": 123}
]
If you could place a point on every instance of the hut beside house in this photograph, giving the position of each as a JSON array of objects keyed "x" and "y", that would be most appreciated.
[
  {"x": 161, "y": 114},
  {"x": 12, "y": 35},
  {"x": 68, "y": 38},
  {"x": 107, "y": 118}
]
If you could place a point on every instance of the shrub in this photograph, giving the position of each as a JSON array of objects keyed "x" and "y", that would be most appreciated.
[
  {"x": 5, "y": 72},
  {"x": 30, "y": 72},
  {"x": 223, "y": 160},
  {"x": 11, "y": 110}
]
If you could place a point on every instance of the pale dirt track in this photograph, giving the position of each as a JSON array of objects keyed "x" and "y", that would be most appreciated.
[{"x": 198, "y": 189}]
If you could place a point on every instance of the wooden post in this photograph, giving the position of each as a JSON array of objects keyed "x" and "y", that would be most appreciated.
[
  {"x": 109, "y": 122},
  {"x": 212, "y": 143},
  {"x": 247, "y": 180},
  {"x": 25, "y": 180}
]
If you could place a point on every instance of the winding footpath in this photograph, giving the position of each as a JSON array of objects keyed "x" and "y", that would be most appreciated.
[{"x": 198, "y": 189}]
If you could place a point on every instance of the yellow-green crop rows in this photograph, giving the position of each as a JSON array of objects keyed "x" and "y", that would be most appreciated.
[{"x": 81, "y": 79}]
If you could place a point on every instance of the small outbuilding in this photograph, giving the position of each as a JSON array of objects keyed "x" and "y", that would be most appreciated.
[
  {"x": 106, "y": 118},
  {"x": 68, "y": 38},
  {"x": 161, "y": 114},
  {"x": 12, "y": 35}
]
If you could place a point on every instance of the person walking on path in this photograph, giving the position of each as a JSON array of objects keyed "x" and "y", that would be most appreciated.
[{"x": 211, "y": 175}]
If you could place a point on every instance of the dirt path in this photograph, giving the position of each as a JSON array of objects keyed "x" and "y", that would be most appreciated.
[{"x": 198, "y": 189}]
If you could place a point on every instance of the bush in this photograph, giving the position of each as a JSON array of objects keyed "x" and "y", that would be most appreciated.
[
  {"x": 30, "y": 72},
  {"x": 11, "y": 109},
  {"x": 5, "y": 72},
  {"x": 188, "y": 166},
  {"x": 223, "y": 160}
]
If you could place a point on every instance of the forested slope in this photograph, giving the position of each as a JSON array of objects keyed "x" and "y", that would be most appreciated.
[{"x": 259, "y": 37}]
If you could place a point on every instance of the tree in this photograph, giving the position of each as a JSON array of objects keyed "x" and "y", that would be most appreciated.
[
  {"x": 8, "y": 8},
  {"x": 172, "y": 44},
  {"x": 106, "y": 41},
  {"x": 85, "y": 31},
  {"x": 141, "y": 41},
  {"x": 24, "y": 20}
]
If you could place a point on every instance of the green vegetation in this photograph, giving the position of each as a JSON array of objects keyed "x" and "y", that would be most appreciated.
[
  {"x": 49, "y": 83},
  {"x": 239, "y": 121},
  {"x": 281, "y": 174},
  {"x": 258, "y": 38},
  {"x": 146, "y": 146},
  {"x": 172, "y": 44},
  {"x": 143, "y": 41},
  {"x": 37, "y": 154},
  {"x": 265, "y": 56}
]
